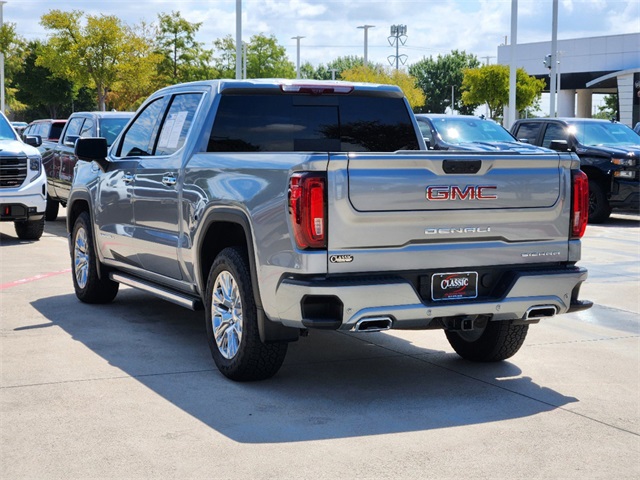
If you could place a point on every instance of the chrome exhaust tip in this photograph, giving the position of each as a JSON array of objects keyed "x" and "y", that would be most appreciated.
[
  {"x": 373, "y": 324},
  {"x": 541, "y": 311}
]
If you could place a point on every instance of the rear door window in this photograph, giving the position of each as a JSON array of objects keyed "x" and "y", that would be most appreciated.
[{"x": 177, "y": 123}]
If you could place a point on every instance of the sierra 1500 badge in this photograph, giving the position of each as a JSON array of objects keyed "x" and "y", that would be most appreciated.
[{"x": 453, "y": 192}]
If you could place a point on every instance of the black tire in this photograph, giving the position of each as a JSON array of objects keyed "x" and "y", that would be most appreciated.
[
  {"x": 497, "y": 341},
  {"x": 239, "y": 354},
  {"x": 52, "y": 209},
  {"x": 29, "y": 229},
  {"x": 89, "y": 287},
  {"x": 599, "y": 209}
]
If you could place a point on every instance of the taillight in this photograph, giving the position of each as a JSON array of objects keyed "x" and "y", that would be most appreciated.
[
  {"x": 579, "y": 204},
  {"x": 307, "y": 209}
]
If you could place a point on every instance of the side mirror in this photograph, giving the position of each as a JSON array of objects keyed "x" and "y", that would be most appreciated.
[
  {"x": 33, "y": 140},
  {"x": 560, "y": 146},
  {"x": 92, "y": 149}
]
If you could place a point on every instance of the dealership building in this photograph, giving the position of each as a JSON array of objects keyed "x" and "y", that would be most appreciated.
[{"x": 587, "y": 66}]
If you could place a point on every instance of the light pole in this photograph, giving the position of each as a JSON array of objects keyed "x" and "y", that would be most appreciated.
[
  {"x": 366, "y": 40},
  {"x": 238, "y": 39},
  {"x": 333, "y": 73},
  {"x": 1, "y": 62},
  {"x": 297, "y": 39}
]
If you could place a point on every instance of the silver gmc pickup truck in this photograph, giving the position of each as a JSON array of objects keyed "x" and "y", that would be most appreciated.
[{"x": 281, "y": 207}]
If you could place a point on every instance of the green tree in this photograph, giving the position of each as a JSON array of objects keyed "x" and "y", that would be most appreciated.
[
  {"x": 265, "y": 58},
  {"x": 340, "y": 64},
  {"x": 406, "y": 82},
  {"x": 184, "y": 59},
  {"x": 609, "y": 109},
  {"x": 44, "y": 94},
  {"x": 95, "y": 54},
  {"x": 490, "y": 84},
  {"x": 436, "y": 77},
  {"x": 13, "y": 47}
]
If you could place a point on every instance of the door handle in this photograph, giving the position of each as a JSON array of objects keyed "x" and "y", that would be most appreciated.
[
  {"x": 127, "y": 178},
  {"x": 169, "y": 179}
]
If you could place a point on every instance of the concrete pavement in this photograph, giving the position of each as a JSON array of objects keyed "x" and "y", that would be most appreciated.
[{"x": 129, "y": 390}]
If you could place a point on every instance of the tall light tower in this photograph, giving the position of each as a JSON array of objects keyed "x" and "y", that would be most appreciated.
[
  {"x": 238, "y": 39},
  {"x": 366, "y": 40},
  {"x": 1, "y": 62},
  {"x": 297, "y": 39},
  {"x": 398, "y": 36}
]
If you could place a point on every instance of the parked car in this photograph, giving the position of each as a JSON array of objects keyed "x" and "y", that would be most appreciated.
[
  {"x": 60, "y": 161},
  {"x": 48, "y": 130},
  {"x": 608, "y": 153},
  {"x": 19, "y": 127},
  {"x": 466, "y": 132},
  {"x": 23, "y": 185},
  {"x": 637, "y": 128}
]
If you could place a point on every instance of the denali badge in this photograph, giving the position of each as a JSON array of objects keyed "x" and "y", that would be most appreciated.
[
  {"x": 540, "y": 254},
  {"x": 454, "y": 230},
  {"x": 470, "y": 192},
  {"x": 341, "y": 258}
]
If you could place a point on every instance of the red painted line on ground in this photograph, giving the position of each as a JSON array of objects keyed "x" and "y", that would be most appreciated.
[{"x": 40, "y": 276}]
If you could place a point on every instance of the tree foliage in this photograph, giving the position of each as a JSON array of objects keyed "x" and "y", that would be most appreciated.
[
  {"x": 265, "y": 58},
  {"x": 13, "y": 47},
  {"x": 94, "y": 54},
  {"x": 183, "y": 58},
  {"x": 334, "y": 68},
  {"x": 406, "y": 82},
  {"x": 436, "y": 77},
  {"x": 46, "y": 95},
  {"x": 490, "y": 84}
]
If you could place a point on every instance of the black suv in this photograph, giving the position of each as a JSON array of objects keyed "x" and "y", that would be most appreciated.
[{"x": 608, "y": 153}]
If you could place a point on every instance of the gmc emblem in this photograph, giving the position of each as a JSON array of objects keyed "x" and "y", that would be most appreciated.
[{"x": 470, "y": 192}]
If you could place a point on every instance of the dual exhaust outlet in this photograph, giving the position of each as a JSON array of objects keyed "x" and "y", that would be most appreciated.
[{"x": 378, "y": 324}]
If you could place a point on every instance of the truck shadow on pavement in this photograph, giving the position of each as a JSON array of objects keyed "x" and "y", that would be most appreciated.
[{"x": 332, "y": 385}]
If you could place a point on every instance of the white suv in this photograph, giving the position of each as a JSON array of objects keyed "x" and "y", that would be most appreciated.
[{"x": 23, "y": 182}]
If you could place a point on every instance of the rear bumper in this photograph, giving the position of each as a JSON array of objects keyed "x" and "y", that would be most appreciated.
[{"x": 341, "y": 304}]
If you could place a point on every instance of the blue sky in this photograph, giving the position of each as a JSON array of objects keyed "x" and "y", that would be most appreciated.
[{"x": 330, "y": 26}]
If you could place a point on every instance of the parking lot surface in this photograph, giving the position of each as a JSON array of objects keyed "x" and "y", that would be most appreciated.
[{"x": 129, "y": 390}]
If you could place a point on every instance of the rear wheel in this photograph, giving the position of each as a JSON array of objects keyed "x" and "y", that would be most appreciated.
[
  {"x": 89, "y": 287},
  {"x": 29, "y": 229},
  {"x": 599, "y": 209},
  {"x": 52, "y": 209},
  {"x": 493, "y": 342},
  {"x": 231, "y": 321}
]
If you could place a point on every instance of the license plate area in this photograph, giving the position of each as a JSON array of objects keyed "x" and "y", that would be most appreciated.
[{"x": 454, "y": 285}]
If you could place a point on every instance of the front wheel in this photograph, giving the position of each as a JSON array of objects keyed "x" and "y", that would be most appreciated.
[
  {"x": 29, "y": 229},
  {"x": 89, "y": 287},
  {"x": 599, "y": 209},
  {"x": 496, "y": 341},
  {"x": 51, "y": 212},
  {"x": 232, "y": 325}
]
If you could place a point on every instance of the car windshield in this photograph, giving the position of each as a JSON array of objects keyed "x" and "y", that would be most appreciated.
[
  {"x": 6, "y": 132},
  {"x": 603, "y": 133},
  {"x": 462, "y": 130}
]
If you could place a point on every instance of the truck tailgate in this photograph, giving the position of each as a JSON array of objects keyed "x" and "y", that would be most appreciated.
[{"x": 424, "y": 210}]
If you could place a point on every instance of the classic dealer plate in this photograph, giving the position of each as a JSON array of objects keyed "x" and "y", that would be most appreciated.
[{"x": 454, "y": 285}]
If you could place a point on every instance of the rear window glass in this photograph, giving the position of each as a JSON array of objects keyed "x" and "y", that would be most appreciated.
[{"x": 294, "y": 123}]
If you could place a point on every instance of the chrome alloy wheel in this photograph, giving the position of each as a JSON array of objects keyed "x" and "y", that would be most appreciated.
[
  {"x": 81, "y": 258},
  {"x": 226, "y": 315}
]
